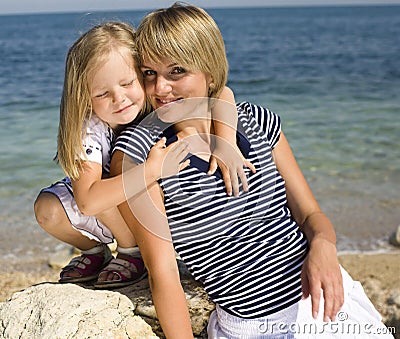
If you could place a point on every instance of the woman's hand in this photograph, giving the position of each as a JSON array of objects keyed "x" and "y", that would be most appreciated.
[
  {"x": 164, "y": 161},
  {"x": 321, "y": 272},
  {"x": 231, "y": 162}
]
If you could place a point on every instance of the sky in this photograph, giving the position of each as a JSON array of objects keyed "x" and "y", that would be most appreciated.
[{"x": 45, "y": 6}]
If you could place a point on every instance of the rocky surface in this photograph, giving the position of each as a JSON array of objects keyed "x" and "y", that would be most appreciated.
[
  {"x": 42, "y": 309},
  {"x": 394, "y": 238},
  {"x": 79, "y": 311},
  {"x": 70, "y": 311},
  {"x": 380, "y": 277}
]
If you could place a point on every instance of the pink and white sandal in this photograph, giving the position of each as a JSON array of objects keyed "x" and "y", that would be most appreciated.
[
  {"x": 88, "y": 266},
  {"x": 129, "y": 270}
]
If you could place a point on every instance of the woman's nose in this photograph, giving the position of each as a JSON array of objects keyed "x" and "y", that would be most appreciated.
[{"x": 162, "y": 85}]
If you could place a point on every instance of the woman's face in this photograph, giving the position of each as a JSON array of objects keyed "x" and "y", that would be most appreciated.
[{"x": 169, "y": 83}]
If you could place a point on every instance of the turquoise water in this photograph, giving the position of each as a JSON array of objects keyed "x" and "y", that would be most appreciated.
[{"x": 332, "y": 73}]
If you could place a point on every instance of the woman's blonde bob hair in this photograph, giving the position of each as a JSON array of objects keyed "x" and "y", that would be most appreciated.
[
  {"x": 84, "y": 57},
  {"x": 186, "y": 35}
]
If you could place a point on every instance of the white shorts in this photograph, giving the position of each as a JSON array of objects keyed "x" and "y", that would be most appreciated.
[
  {"x": 357, "y": 318},
  {"x": 89, "y": 226}
]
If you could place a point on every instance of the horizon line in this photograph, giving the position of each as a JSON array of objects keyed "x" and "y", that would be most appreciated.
[{"x": 205, "y": 7}]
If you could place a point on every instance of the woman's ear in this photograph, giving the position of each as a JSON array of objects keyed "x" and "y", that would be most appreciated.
[
  {"x": 209, "y": 80},
  {"x": 211, "y": 85}
]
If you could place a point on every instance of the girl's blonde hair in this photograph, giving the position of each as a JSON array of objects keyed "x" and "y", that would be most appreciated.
[
  {"x": 86, "y": 55},
  {"x": 187, "y": 35}
]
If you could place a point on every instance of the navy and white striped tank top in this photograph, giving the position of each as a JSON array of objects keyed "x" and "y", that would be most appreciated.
[{"x": 247, "y": 250}]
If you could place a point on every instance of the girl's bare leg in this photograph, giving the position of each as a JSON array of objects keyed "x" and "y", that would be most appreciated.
[
  {"x": 51, "y": 216},
  {"x": 120, "y": 230},
  {"x": 125, "y": 240}
]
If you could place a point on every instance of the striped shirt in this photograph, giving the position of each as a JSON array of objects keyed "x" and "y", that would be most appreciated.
[{"x": 247, "y": 250}]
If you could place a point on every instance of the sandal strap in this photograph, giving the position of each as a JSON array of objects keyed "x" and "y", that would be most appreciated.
[
  {"x": 124, "y": 268},
  {"x": 88, "y": 264},
  {"x": 84, "y": 261}
]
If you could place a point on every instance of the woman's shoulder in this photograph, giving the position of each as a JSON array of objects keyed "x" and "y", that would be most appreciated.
[
  {"x": 136, "y": 139},
  {"x": 133, "y": 129},
  {"x": 249, "y": 107},
  {"x": 145, "y": 132},
  {"x": 260, "y": 113},
  {"x": 260, "y": 118},
  {"x": 138, "y": 132}
]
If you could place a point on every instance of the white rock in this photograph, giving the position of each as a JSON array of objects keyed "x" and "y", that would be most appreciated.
[
  {"x": 70, "y": 311},
  {"x": 394, "y": 238}
]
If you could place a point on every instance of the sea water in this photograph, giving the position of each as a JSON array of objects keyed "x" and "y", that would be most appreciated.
[{"x": 331, "y": 73}]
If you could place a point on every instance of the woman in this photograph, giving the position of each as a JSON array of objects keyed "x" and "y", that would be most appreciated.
[{"x": 265, "y": 257}]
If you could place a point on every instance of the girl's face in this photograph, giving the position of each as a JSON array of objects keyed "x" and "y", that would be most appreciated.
[
  {"x": 116, "y": 92},
  {"x": 168, "y": 83}
]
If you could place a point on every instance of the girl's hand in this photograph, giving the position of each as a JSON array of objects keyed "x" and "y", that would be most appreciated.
[
  {"x": 231, "y": 162},
  {"x": 164, "y": 161}
]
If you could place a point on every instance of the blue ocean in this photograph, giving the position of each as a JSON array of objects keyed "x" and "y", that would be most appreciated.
[{"x": 331, "y": 73}]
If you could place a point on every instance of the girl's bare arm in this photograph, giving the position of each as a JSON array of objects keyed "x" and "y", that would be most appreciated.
[
  {"x": 227, "y": 155},
  {"x": 95, "y": 194}
]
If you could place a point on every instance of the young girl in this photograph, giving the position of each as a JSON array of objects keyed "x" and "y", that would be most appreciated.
[
  {"x": 267, "y": 258},
  {"x": 102, "y": 93}
]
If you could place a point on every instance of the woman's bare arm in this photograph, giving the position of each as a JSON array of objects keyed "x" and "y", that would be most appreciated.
[
  {"x": 321, "y": 268},
  {"x": 145, "y": 216}
]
